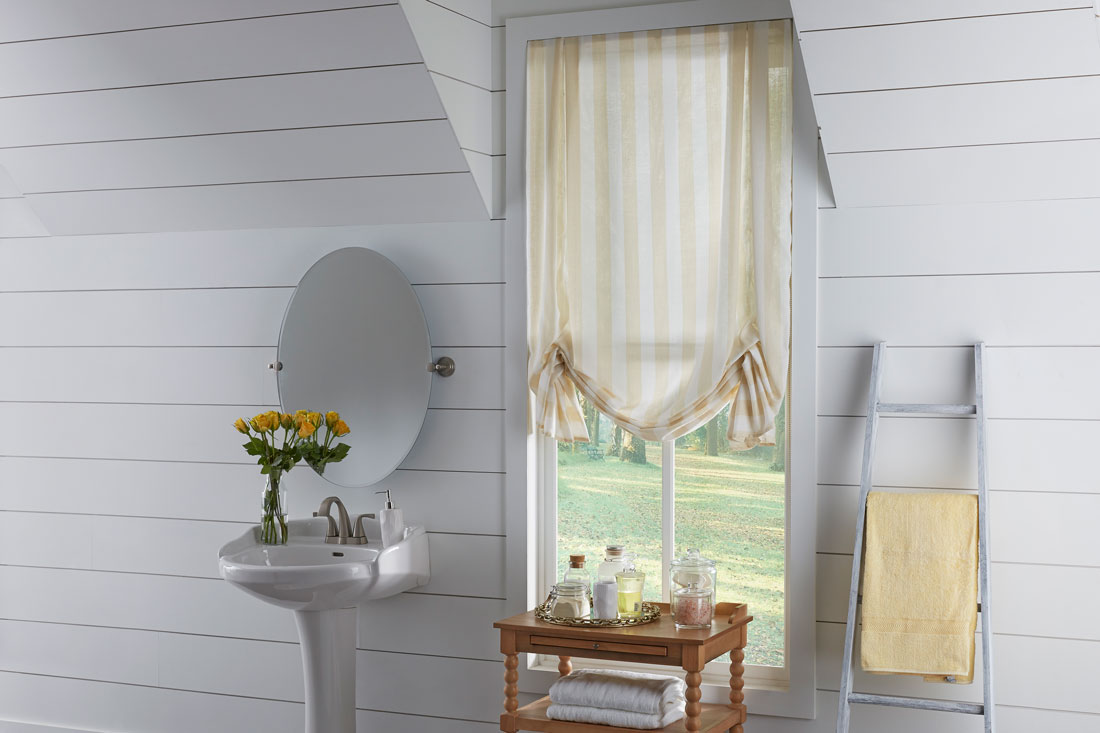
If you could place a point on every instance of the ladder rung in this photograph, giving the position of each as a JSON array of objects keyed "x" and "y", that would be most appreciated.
[
  {"x": 917, "y": 408},
  {"x": 970, "y": 708},
  {"x": 859, "y": 600}
]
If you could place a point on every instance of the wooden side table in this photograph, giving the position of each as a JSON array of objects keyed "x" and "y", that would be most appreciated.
[{"x": 655, "y": 643}]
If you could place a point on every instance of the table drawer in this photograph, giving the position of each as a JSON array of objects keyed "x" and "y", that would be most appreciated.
[{"x": 649, "y": 650}]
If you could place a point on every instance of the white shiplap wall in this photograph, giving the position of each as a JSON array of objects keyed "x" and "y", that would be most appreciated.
[
  {"x": 961, "y": 142},
  {"x": 172, "y": 329},
  {"x": 186, "y": 193}
]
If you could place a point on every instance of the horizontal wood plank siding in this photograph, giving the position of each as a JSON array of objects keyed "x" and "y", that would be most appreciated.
[
  {"x": 816, "y": 15},
  {"x": 1032, "y": 383},
  {"x": 1019, "y": 172},
  {"x": 317, "y": 99},
  {"x": 1027, "y": 46},
  {"x": 154, "y": 710},
  {"x": 56, "y": 18},
  {"x": 171, "y": 260},
  {"x": 921, "y": 311},
  {"x": 187, "y": 192},
  {"x": 995, "y": 238},
  {"x": 373, "y": 36},
  {"x": 390, "y": 200},
  {"x": 341, "y": 152},
  {"x": 982, "y": 114}
]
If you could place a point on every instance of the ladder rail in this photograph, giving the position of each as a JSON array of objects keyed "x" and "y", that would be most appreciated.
[
  {"x": 984, "y": 583},
  {"x": 874, "y": 409},
  {"x": 870, "y": 439}
]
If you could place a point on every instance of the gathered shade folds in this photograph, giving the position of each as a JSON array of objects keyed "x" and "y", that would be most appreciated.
[{"x": 659, "y": 228}]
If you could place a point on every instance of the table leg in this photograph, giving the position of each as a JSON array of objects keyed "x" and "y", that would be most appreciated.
[
  {"x": 694, "y": 708},
  {"x": 737, "y": 685},
  {"x": 511, "y": 678},
  {"x": 565, "y": 665}
]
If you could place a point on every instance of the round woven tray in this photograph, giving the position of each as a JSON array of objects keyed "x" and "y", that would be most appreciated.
[{"x": 650, "y": 613}]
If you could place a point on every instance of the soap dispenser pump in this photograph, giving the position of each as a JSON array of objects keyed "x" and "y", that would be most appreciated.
[{"x": 391, "y": 521}]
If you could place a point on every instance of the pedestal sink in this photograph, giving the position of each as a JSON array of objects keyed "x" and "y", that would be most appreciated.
[{"x": 324, "y": 584}]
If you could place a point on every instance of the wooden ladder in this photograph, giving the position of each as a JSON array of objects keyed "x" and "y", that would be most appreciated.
[{"x": 875, "y": 408}]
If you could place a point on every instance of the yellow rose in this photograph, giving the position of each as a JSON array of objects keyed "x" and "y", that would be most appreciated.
[
  {"x": 287, "y": 420},
  {"x": 273, "y": 419},
  {"x": 315, "y": 418},
  {"x": 241, "y": 425},
  {"x": 307, "y": 429},
  {"x": 259, "y": 423},
  {"x": 331, "y": 418},
  {"x": 301, "y": 413},
  {"x": 341, "y": 428}
]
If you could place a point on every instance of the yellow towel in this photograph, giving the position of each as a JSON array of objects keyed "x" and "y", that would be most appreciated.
[{"x": 920, "y": 585}]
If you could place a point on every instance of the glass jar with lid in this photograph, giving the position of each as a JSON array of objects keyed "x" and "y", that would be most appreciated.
[
  {"x": 693, "y": 607},
  {"x": 569, "y": 599},
  {"x": 692, "y": 570}
]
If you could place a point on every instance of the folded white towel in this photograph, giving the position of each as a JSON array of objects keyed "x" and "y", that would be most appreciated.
[
  {"x": 636, "y": 692},
  {"x": 610, "y": 716}
]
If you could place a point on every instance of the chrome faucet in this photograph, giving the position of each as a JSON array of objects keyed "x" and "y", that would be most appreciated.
[{"x": 340, "y": 530}]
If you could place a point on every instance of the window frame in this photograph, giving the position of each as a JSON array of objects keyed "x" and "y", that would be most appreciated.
[{"x": 528, "y": 509}]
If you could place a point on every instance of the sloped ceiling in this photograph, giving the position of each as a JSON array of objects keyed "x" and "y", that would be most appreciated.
[
  {"x": 954, "y": 101},
  {"x": 157, "y": 115},
  {"x": 456, "y": 39}
]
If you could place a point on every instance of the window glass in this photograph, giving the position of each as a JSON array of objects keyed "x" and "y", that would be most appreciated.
[
  {"x": 731, "y": 505},
  {"x": 606, "y": 500}
]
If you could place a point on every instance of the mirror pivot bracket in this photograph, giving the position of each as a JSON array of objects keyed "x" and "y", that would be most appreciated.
[{"x": 444, "y": 366}]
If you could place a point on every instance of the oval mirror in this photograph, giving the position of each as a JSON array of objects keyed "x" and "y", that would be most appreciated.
[{"x": 354, "y": 339}]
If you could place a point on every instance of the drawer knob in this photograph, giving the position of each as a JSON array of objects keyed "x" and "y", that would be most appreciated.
[{"x": 595, "y": 646}]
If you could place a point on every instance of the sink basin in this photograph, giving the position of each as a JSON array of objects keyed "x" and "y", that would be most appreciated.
[
  {"x": 324, "y": 585},
  {"x": 306, "y": 574}
]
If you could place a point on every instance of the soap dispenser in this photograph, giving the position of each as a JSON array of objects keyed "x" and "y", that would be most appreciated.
[{"x": 391, "y": 521}]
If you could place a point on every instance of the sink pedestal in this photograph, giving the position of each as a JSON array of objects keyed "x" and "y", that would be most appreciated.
[{"x": 328, "y": 659}]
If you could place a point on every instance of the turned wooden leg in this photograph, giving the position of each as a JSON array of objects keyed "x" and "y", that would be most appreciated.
[
  {"x": 565, "y": 665},
  {"x": 737, "y": 677},
  {"x": 694, "y": 708},
  {"x": 511, "y": 677}
]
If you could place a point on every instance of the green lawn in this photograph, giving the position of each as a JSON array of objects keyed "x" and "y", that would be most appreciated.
[{"x": 729, "y": 506}]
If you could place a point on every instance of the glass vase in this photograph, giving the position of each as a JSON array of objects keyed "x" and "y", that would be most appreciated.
[{"x": 273, "y": 526}]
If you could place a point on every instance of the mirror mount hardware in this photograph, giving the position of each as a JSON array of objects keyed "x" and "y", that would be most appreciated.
[
  {"x": 275, "y": 366},
  {"x": 444, "y": 366}
]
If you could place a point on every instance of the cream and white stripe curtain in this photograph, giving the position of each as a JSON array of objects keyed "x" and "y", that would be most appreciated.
[{"x": 659, "y": 228}]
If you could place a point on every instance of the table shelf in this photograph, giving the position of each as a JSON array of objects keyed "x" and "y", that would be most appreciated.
[{"x": 712, "y": 719}]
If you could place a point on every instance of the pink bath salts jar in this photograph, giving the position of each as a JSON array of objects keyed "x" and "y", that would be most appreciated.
[{"x": 694, "y": 608}]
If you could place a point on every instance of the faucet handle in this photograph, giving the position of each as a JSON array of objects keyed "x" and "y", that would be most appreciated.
[
  {"x": 333, "y": 530},
  {"x": 359, "y": 534}
]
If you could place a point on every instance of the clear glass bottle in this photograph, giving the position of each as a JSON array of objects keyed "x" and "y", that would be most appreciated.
[
  {"x": 614, "y": 561},
  {"x": 577, "y": 574},
  {"x": 631, "y": 584},
  {"x": 569, "y": 599},
  {"x": 692, "y": 569}
]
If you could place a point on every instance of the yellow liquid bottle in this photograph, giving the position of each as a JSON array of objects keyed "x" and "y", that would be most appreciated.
[{"x": 631, "y": 583}]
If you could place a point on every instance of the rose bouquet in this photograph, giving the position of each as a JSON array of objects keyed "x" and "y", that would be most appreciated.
[{"x": 279, "y": 441}]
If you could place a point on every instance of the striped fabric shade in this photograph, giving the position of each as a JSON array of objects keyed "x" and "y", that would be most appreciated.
[{"x": 659, "y": 228}]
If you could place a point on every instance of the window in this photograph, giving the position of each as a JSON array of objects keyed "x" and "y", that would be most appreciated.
[
  {"x": 565, "y": 490},
  {"x": 730, "y": 504}
]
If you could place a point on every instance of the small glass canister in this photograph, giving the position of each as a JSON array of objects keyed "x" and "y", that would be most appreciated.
[
  {"x": 692, "y": 569},
  {"x": 693, "y": 607},
  {"x": 569, "y": 599}
]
